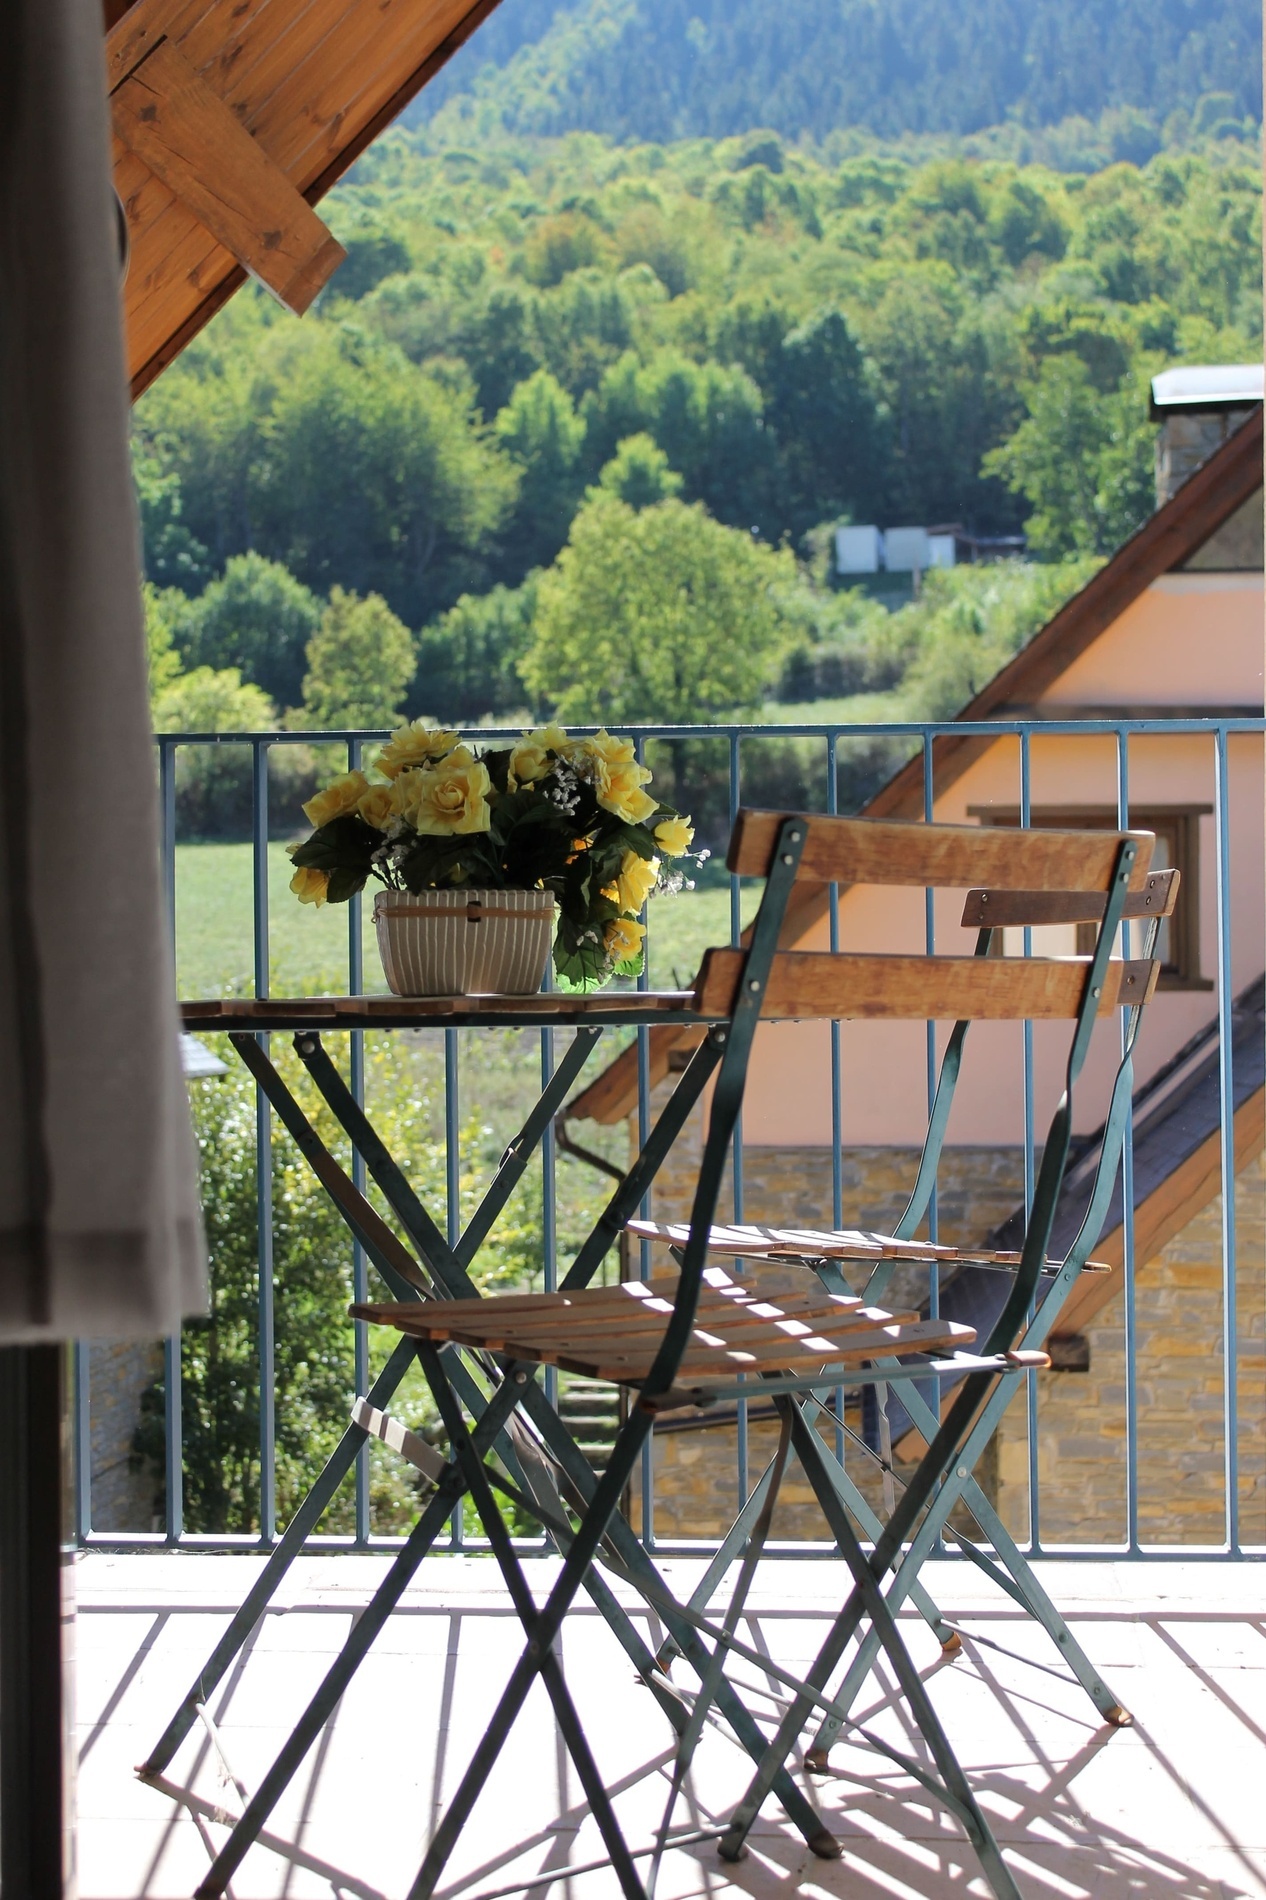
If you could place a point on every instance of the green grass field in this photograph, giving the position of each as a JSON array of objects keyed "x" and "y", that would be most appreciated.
[{"x": 308, "y": 948}]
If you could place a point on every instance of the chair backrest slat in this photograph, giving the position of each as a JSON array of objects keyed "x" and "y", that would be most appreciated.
[
  {"x": 879, "y": 851},
  {"x": 807, "y": 984},
  {"x": 999, "y": 908}
]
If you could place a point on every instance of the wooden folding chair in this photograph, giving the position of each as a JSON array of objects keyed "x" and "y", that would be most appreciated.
[
  {"x": 713, "y": 1340},
  {"x": 826, "y": 1252}
]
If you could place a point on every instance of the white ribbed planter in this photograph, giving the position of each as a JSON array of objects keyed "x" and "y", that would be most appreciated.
[{"x": 464, "y": 943}]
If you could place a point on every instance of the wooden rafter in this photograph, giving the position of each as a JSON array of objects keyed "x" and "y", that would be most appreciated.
[
  {"x": 305, "y": 85},
  {"x": 172, "y": 121}
]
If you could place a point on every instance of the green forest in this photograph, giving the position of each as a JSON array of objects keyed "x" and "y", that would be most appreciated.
[
  {"x": 670, "y": 69},
  {"x": 563, "y": 390}
]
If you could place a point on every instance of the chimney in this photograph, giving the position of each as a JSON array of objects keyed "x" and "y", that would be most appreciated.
[{"x": 1198, "y": 408}]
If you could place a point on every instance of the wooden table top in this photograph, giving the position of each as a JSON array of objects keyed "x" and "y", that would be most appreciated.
[{"x": 547, "y": 1009}]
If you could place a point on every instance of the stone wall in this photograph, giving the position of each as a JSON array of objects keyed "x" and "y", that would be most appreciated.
[
  {"x": 1179, "y": 1381},
  {"x": 1082, "y": 1458},
  {"x": 695, "y": 1463},
  {"x": 123, "y": 1494}
]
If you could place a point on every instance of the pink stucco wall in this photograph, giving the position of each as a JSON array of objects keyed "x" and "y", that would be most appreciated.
[{"x": 1191, "y": 640}]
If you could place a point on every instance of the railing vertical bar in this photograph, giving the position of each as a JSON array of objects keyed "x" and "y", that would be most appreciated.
[
  {"x": 1026, "y": 819},
  {"x": 360, "y": 1265},
  {"x": 173, "y": 1422},
  {"x": 263, "y": 1160},
  {"x": 1226, "y": 1080},
  {"x": 646, "y": 1471},
  {"x": 81, "y": 1373},
  {"x": 549, "y": 1206},
  {"x": 646, "y": 1461},
  {"x": 167, "y": 832},
  {"x": 837, "y": 1079},
  {"x": 453, "y": 1190},
  {"x": 1127, "y": 1211},
  {"x": 736, "y": 1153},
  {"x": 173, "y": 1443},
  {"x": 929, "y": 944}
]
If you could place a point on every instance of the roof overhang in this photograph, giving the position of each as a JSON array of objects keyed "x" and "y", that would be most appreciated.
[{"x": 232, "y": 119}]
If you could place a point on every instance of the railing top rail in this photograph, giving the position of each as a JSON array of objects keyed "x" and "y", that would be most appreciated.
[{"x": 914, "y": 729}]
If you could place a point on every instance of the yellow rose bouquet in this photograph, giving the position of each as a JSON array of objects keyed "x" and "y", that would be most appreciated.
[{"x": 572, "y": 816}]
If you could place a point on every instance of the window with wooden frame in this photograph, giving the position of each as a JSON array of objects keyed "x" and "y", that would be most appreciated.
[{"x": 1177, "y": 829}]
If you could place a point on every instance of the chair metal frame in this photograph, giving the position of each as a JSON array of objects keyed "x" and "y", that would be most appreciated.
[
  {"x": 1005, "y": 1563},
  {"x": 1000, "y": 1364}
]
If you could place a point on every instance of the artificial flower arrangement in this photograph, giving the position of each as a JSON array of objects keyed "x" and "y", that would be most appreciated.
[{"x": 570, "y": 816}]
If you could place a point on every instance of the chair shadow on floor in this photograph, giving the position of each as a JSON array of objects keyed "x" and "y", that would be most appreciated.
[{"x": 1035, "y": 1741}]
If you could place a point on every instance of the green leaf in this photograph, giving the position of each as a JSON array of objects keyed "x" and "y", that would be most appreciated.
[
  {"x": 344, "y": 883},
  {"x": 345, "y": 843}
]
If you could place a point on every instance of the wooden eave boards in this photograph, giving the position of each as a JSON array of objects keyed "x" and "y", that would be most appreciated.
[{"x": 232, "y": 118}]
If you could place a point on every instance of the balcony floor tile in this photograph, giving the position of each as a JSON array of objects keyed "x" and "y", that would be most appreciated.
[{"x": 1169, "y": 1810}]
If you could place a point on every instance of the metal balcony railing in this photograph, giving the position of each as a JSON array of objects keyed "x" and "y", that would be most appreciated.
[{"x": 712, "y": 769}]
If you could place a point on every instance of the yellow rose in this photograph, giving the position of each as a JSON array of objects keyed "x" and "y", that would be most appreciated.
[
  {"x": 379, "y": 806},
  {"x": 609, "y": 750},
  {"x": 674, "y": 837},
  {"x": 336, "y": 800},
  {"x": 530, "y": 761},
  {"x": 451, "y": 796},
  {"x": 635, "y": 882},
  {"x": 310, "y": 886},
  {"x": 618, "y": 789},
  {"x": 622, "y": 939},
  {"x": 417, "y": 744}
]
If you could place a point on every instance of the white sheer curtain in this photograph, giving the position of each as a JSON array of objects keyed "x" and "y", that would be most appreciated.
[{"x": 99, "y": 1227}]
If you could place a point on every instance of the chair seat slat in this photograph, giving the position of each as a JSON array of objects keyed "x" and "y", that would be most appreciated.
[
  {"x": 792, "y": 1246},
  {"x": 617, "y": 1342}
]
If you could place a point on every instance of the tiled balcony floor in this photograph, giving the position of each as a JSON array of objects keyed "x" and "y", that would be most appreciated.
[{"x": 1172, "y": 1809}]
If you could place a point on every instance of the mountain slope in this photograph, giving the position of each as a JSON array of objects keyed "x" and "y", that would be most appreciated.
[{"x": 667, "y": 69}]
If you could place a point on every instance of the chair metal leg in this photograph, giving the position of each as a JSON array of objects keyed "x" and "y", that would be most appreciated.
[
  {"x": 960, "y": 1485},
  {"x": 642, "y": 1575},
  {"x": 872, "y": 1524},
  {"x": 910, "y": 1507},
  {"x": 956, "y": 1787},
  {"x": 731, "y": 1546},
  {"x": 295, "y": 1536},
  {"x": 716, "y": 1664},
  {"x": 363, "y": 1633},
  {"x": 550, "y": 1671},
  {"x": 1039, "y": 1605},
  {"x": 548, "y": 1621}
]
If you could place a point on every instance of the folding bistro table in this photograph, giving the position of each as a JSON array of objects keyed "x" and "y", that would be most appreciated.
[{"x": 435, "y": 1269}]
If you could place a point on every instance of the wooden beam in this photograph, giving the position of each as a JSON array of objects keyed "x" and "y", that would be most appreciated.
[
  {"x": 138, "y": 27},
  {"x": 1178, "y": 1199},
  {"x": 188, "y": 137}
]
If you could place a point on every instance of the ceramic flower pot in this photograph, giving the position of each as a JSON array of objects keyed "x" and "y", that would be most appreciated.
[{"x": 464, "y": 943}]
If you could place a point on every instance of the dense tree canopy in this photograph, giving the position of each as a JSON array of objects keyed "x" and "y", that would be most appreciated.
[
  {"x": 658, "y": 614},
  {"x": 666, "y": 69},
  {"x": 778, "y": 339}
]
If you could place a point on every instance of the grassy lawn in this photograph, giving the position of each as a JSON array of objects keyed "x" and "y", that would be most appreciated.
[{"x": 307, "y": 948}]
